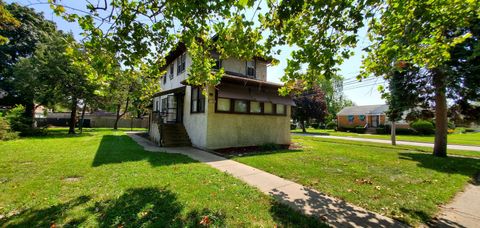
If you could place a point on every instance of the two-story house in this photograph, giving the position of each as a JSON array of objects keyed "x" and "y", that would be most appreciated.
[{"x": 243, "y": 110}]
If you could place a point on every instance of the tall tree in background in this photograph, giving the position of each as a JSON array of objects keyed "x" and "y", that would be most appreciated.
[
  {"x": 60, "y": 72},
  {"x": 7, "y": 22},
  {"x": 334, "y": 96},
  {"x": 309, "y": 104},
  {"x": 23, "y": 40},
  {"x": 422, "y": 33},
  {"x": 404, "y": 93}
]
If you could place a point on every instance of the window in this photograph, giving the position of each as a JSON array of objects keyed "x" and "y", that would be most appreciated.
[
  {"x": 164, "y": 105},
  {"x": 240, "y": 106},
  {"x": 198, "y": 101},
  {"x": 361, "y": 117},
  {"x": 280, "y": 109},
  {"x": 350, "y": 118},
  {"x": 267, "y": 108},
  {"x": 164, "y": 79},
  {"x": 251, "y": 68},
  {"x": 157, "y": 105},
  {"x": 255, "y": 107},
  {"x": 171, "y": 71},
  {"x": 218, "y": 62},
  {"x": 223, "y": 105},
  {"x": 181, "y": 63}
]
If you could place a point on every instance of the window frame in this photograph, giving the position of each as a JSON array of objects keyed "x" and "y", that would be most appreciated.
[
  {"x": 218, "y": 62},
  {"x": 181, "y": 63},
  {"x": 200, "y": 108},
  {"x": 172, "y": 71},
  {"x": 254, "y": 69},
  {"x": 248, "y": 112}
]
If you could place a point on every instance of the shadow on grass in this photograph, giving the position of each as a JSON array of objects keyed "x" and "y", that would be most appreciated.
[
  {"x": 150, "y": 207},
  {"x": 451, "y": 165},
  {"x": 45, "y": 217},
  {"x": 138, "y": 207},
  {"x": 336, "y": 212},
  {"x": 288, "y": 217},
  {"x": 114, "y": 149}
]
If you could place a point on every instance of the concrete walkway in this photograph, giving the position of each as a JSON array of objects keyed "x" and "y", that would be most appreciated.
[
  {"x": 333, "y": 211},
  {"x": 453, "y": 147},
  {"x": 463, "y": 211}
]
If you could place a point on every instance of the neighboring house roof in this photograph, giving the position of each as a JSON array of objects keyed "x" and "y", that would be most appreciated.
[{"x": 363, "y": 110}]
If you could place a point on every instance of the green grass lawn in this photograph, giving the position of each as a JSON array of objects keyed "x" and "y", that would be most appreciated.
[
  {"x": 405, "y": 183},
  {"x": 472, "y": 139},
  {"x": 103, "y": 178}
]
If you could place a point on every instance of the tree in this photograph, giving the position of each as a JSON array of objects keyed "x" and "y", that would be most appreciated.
[
  {"x": 403, "y": 94},
  {"x": 58, "y": 71},
  {"x": 7, "y": 22},
  {"x": 142, "y": 32},
  {"x": 334, "y": 96},
  {"x": 309, "y": 104},
  {"x": 421, "y": 33},
  {"x": 23, "y": 41}
]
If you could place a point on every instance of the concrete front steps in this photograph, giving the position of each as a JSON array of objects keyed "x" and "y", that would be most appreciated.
[{"x": 174, "y": 135}]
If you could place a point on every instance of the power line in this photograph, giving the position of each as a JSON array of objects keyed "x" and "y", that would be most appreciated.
[{"x": 362, "y": 86}]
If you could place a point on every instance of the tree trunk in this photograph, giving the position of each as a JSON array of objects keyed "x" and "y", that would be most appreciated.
[
  {"x": 303, "y": 127},
  {"x": 30, "y": 112},
  {"x": 441, "y": 121},
  {"x": 115, "y": 126},
  {"x": 82, "y": 118},
  {"x": 73, "y": 116},
  {"x": 393, "y": 133}
]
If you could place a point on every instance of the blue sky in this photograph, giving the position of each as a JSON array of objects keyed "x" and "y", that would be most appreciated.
[{"x": 361, "y": 93}]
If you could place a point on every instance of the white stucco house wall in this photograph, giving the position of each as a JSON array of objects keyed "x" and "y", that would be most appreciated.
[{"x": 243, "y": 110}]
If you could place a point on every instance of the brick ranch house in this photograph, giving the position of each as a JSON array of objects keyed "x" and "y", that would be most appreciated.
[
  {"x": 243, "y": 110},
  {"x": 367, "y": 116}
]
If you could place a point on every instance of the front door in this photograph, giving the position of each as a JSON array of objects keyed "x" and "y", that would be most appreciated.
[
  {"x": 180, "y": 98},
  {"x": 374, "y": 121}
]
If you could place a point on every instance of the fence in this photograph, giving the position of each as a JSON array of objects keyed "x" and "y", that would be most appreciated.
[{"x": 95, "y": 122}]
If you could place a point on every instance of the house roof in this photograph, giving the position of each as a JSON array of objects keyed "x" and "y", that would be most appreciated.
[{"x": 363, "y": 110}]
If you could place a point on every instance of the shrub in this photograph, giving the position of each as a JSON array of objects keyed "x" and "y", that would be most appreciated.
[
  {"x": 467, "y": 130},
  {"x": 360, "y": 130},
  {"x": 346, "y": 129},
  {"x": 270, "y": 147},
  {"x": 331, "y": 125},
  {"x": 405, "y": 131},
  {"x": 423, "y": 127},
  {"x": 451, "y": 125},
  {"x": 315, "y": 125},
  {"x": 18, "y": 122},
  {"x": 5, "y": 132},
  {"x": 381, "y": 130},
  {"x": 293, "y": 126}
]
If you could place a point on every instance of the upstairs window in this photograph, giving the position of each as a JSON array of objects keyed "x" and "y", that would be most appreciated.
[
  {"x": 251, "y": 68},
  {"x": 164, "y": 79},
  {"x": 197, "y": 104},
  {"x": 218, "y": 62},
  {"x": 171, "y": 71},
  {"x": 181, "y": 63}
]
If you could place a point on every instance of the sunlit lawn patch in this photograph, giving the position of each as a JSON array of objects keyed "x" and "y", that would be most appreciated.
[
  {"x": 103, "y": 178},
  {"x": 400, "y": 182}
]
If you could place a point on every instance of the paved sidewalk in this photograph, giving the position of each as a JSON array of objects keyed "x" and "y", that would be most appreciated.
[
  {"x": 333, "y": 211},
  {"x": 463, "y": 211},
  {"x": 453, "y": 147}
]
